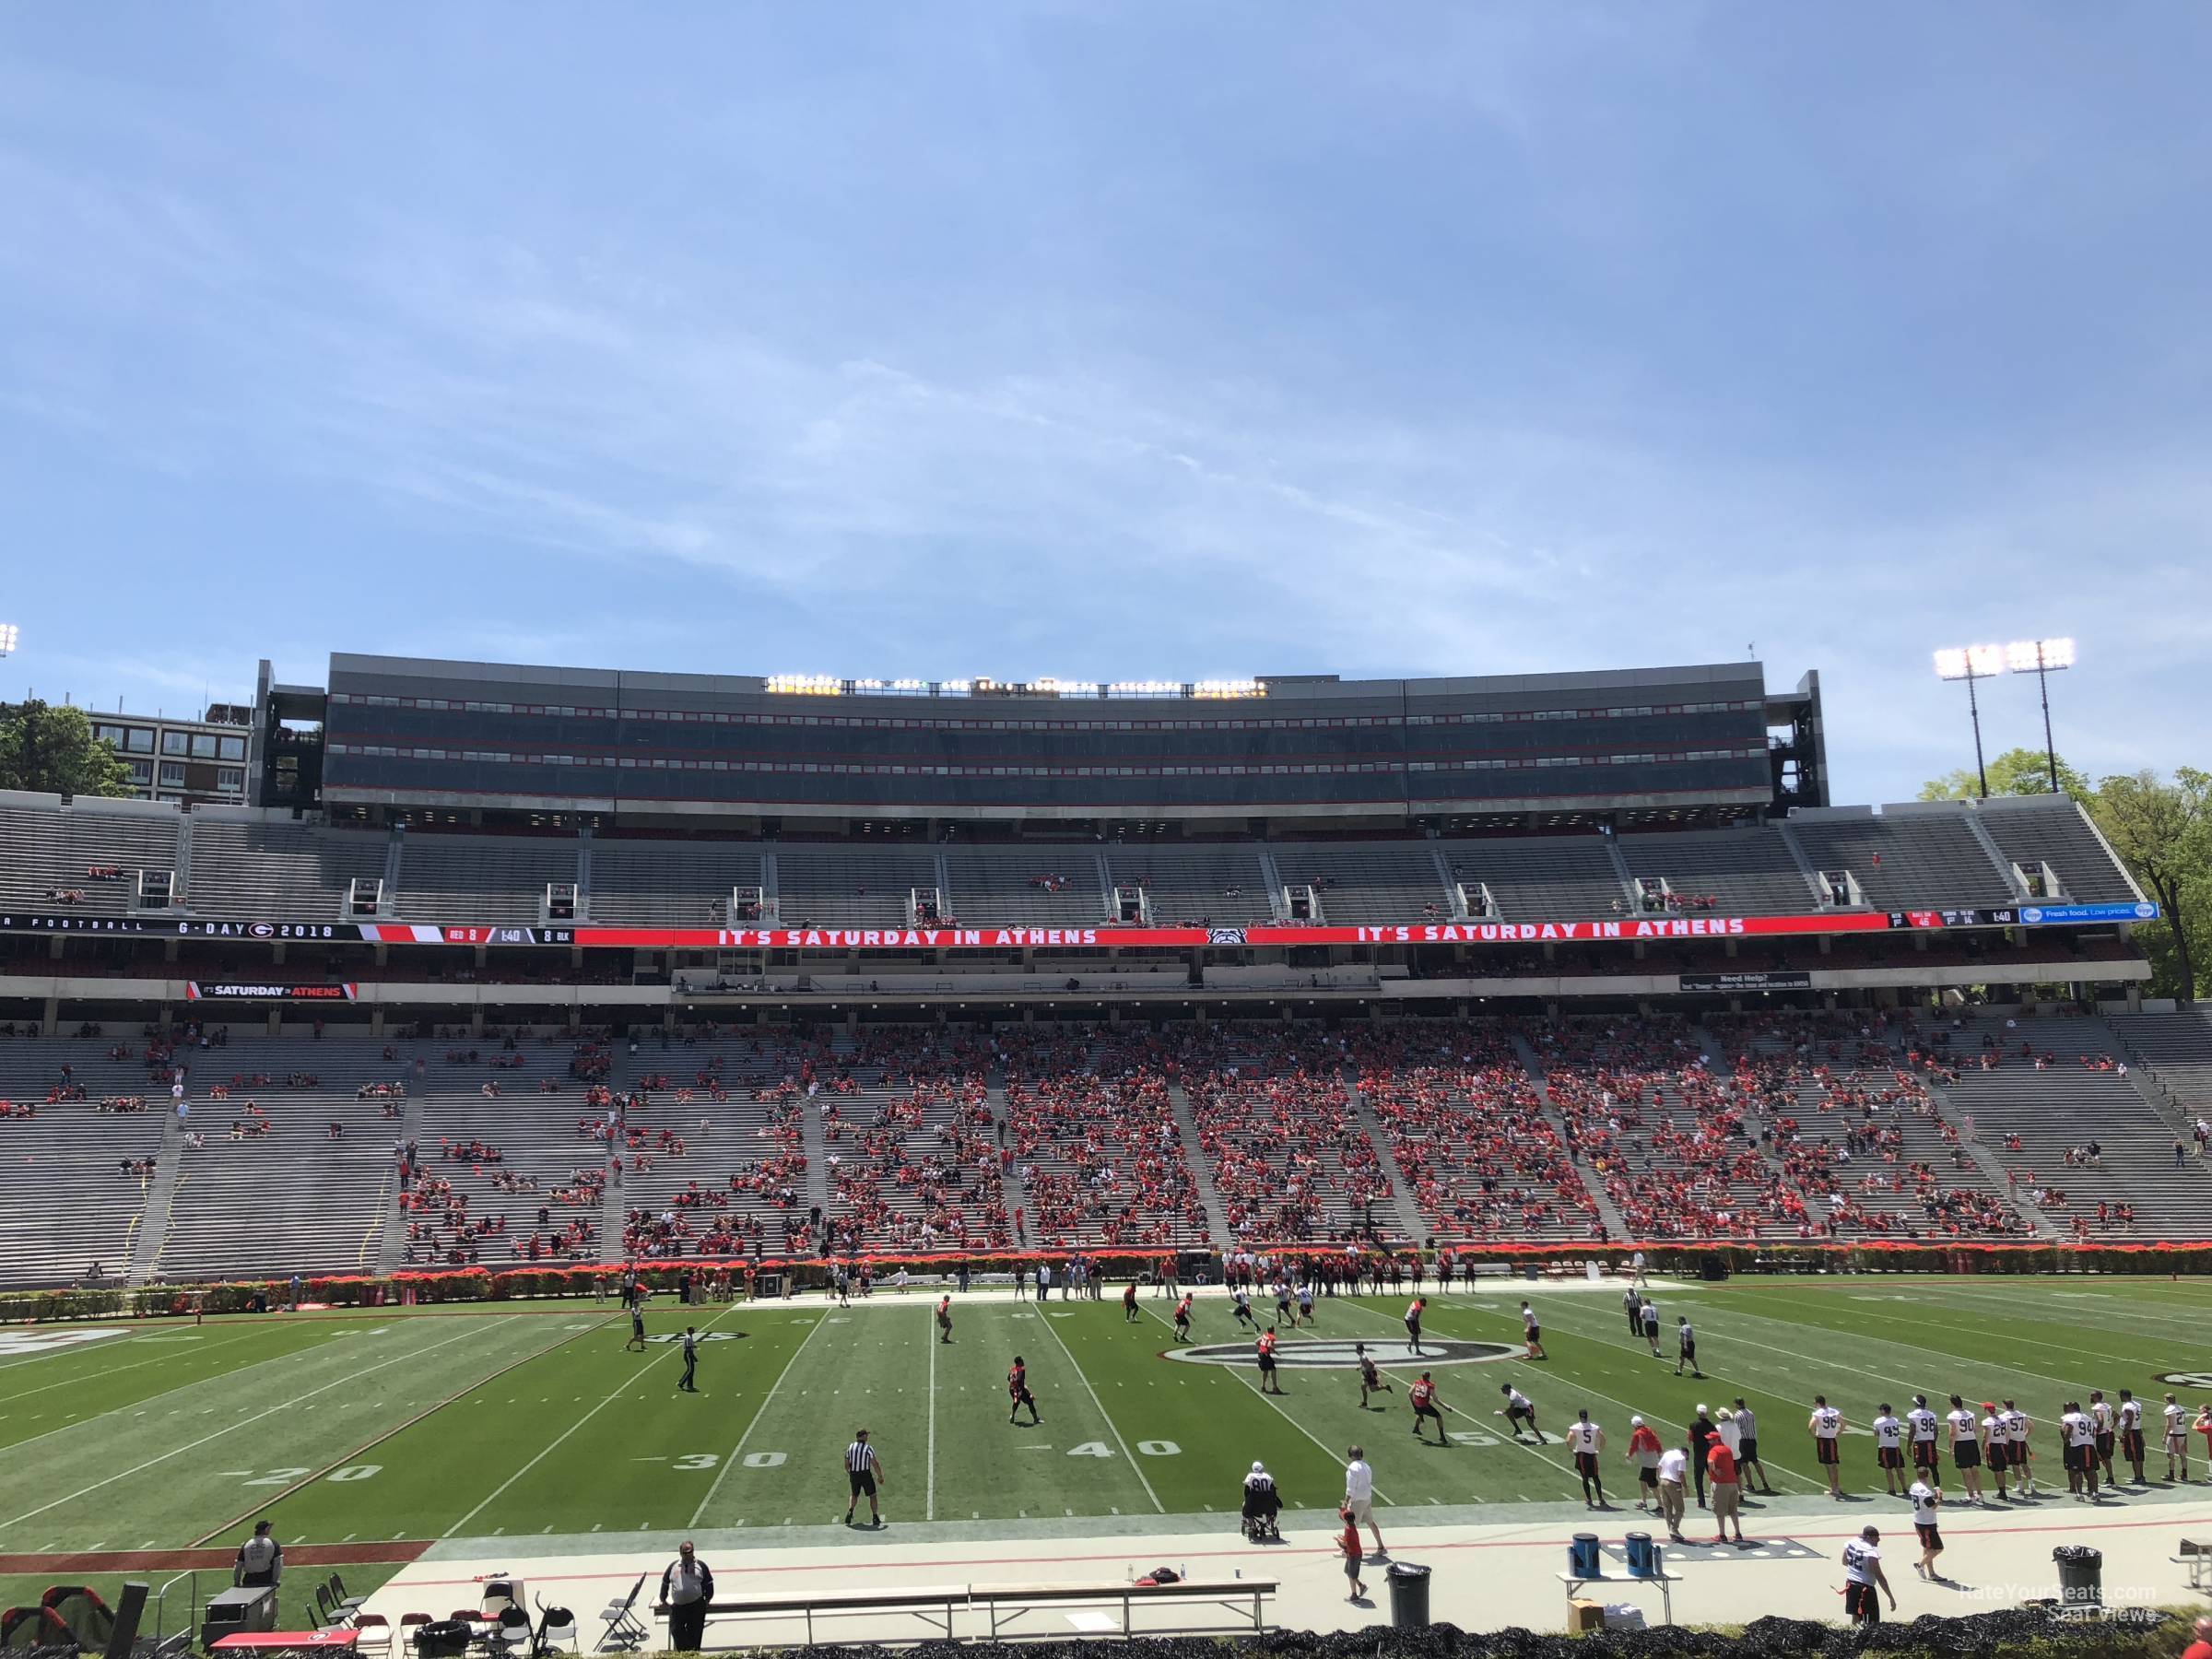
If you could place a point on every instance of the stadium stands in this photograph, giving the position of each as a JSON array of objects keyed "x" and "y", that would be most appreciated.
[
  {"x": 1904, "y": 857},
  {"x": 481, "y": 877},
  {"x": 1092, "y": 1127},
  {"x": 70, "y": 1192},
  {"x": 1227, "y": 885},
  {"x": 2080, "y": 1136},
  {"x": 1050, "y": 886},
  {"x": 49, "y": 852},
  {"x": 668, "y": 883},
  {"x": 2031, "y": 829},
  {"x": 246, "y": 865},
  {"x": 1543, "y": 878},
  {"x": 1469, "y": 1133},
  {"x": 1746, "y": 871},
  {"x": 1371, "y": 885},
  {"x": 850, "y": 887},
  {"x": 1773, "y": 1127}
]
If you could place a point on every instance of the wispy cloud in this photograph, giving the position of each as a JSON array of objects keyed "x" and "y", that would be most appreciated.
[{"x": 1474, "y": 343}]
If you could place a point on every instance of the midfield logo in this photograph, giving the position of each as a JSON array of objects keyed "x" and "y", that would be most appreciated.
[{"x": 1332, "y": 1355}]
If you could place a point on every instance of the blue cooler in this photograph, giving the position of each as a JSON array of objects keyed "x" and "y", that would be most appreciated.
[
  {"x": 1583, "y": 1559},
  {"x": 1644, "y": 1557}
]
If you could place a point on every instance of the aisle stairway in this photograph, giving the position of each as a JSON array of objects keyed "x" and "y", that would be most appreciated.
[
  {"x": 1616, "y": 1225},
  {"x": 1202, "y": 1169}
]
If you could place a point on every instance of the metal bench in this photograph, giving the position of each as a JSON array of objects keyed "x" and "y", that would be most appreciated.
[
  {"x": 933, "y": 1606},
  {"x": 2196, "y": 1555},
  {"x": 1005, "y": 1603}
]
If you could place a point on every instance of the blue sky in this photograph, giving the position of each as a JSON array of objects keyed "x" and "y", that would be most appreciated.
[{"x": 1119, "y": 340}]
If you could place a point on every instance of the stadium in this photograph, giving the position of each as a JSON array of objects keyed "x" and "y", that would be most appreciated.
[{"x": 338, "y": 1125}]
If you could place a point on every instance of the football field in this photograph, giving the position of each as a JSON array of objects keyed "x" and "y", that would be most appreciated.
[{"x": 366, "y": 1428}]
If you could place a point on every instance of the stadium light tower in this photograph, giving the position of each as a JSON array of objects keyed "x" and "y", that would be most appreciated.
[
  {"x": 8, "y": 635},
  {"x": 2042, "y": 658},
  {"x": 1972, "y": 663}
]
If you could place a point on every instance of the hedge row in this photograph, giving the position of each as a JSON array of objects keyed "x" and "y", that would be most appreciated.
[{"x": 485, "y": 1284}]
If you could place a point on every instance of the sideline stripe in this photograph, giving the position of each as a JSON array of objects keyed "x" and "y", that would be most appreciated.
[
  {"x": 562, "y": 1439},
  {"x": 344, "y": 1382},
  {"x": 1117, "y": 1441},
  {"x": 730, "y": 1462}
]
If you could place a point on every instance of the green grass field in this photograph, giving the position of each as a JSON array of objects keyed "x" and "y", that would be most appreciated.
[{"x": 362, "y": 1428}]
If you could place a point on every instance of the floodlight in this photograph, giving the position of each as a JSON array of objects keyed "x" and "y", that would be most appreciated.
[
  {"x": 2042, "y": 658},
  {"x": 2039, "y": 656},
  {"x": 1972, "y": 663}
]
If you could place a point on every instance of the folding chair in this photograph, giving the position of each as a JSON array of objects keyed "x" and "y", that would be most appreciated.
[
  {"x": 625, "y": 1631},
  {"x": 372, "y": 1634},
  {"x": 324, "y": 1616},
  {"x": 346, "y": 1604}
]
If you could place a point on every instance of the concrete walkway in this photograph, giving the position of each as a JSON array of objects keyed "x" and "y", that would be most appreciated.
[{"x": 1488, "y": 1575}]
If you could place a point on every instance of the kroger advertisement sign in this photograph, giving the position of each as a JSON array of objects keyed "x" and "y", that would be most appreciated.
[{"x": 2044, "y": 915}]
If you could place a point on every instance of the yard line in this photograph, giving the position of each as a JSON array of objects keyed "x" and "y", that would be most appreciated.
[
  {"x": 1327, "y": 1450},
  {"x": 767, "y": 1399},
  {"x": 613, "y": 1395},
  {"x": 1648, "y": 1412},
  {"x": 115, "y": 1371},
  {"x": 1535, "y": 1451},
  {"x": 1117, "y": 1441},
  {"x": 392, "y": 1433},
  {"x": 929, "y": 1505},
  {"x": 269, "y": 1411}
]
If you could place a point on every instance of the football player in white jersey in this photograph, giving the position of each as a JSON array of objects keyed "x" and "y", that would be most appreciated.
[
  {"x": 1587, "y": 1440},
  {"x": 1889, "y": 1448},
  {"x": 2102, "y": 1422},
  {"x": 1999, "y": 1442},
  {"x": 1966, "y": 1446},
  {"x": 1927, "y": 1501},
  {"x": 2077, "y": 1437},
  {"x": 1827, "y": 1425},
  {"x": 2177, "y": 1441},
  {"x": 2019, "y": 1456},
  {"x": 2131, "y": 1433},
  {"x": 1921, "y": 1427}
]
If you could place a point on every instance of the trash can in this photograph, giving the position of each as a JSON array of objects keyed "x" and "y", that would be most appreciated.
[
  {"x": 2080, "y": 1575},
  {"x": 1408, "y": 1595},
  {"x": 1583, "y": 1559}
]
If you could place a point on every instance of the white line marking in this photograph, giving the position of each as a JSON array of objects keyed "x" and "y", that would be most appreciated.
[
  {"x": 255, "y": 1417},
  {"x": 1117, "y": 1441},
  {"x": 766, "y": 1400},
  {"x": 929, "y": 1504},
  {"x": 668, "y": 1352}
]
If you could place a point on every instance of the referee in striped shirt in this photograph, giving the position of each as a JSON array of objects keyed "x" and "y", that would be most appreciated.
[{"x": 863, "y": 1470}]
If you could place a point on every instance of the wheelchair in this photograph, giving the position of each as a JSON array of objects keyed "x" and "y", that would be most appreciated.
[{"x": 1263, "y": 1511}]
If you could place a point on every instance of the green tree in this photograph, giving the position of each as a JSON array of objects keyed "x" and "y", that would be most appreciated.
[
  {"x": 2017, "y": 772},
  {"x": 2163, "y": 832},
  {"x": 52, "y": 751}
]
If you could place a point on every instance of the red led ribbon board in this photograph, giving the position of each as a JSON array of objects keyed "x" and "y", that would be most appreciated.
[{"x": 1626, "y": 930}]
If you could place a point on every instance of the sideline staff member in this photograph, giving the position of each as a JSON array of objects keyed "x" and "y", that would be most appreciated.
[
  {"x": 686, "y": 1586},
  {"x": 260, "y": 1560}
]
